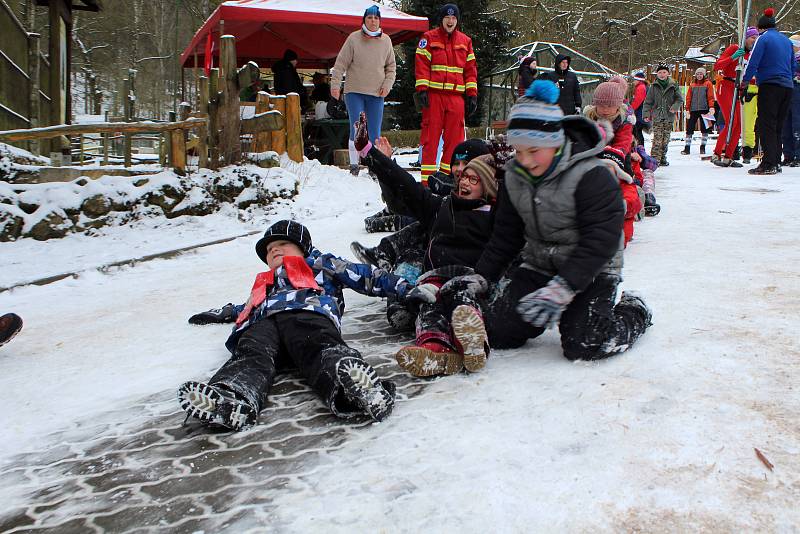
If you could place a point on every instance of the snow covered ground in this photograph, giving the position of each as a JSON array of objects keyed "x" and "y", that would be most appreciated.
[{"x": 660, "y": 438}]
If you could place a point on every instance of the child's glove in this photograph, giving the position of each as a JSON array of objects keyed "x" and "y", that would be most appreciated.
[
  {"x": 472, "y": 284},
  {"x": 423, "y": 100},
  {"x": 422, "y": 294},
  {"x": 543, "y": 307},
  {"x": 739, "y": 53},
  {"x": 361, "y": 139},
  {"x": 226, "y": 314}
]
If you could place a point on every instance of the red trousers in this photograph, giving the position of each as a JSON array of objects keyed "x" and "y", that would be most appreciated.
[
  {"x": 725, "y": 99},
  {"x": 443, "y": 117}
]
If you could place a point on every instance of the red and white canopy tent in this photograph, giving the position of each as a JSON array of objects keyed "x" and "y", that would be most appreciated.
[{"x": 315, "y": 29}]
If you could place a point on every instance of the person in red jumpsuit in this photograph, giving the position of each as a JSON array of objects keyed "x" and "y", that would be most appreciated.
[
  {"x": 445, "y": 72},
  {"x": 726, "y": 68}
]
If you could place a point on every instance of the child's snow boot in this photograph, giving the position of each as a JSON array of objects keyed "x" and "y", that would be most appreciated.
[
  {"x": 216, "y": 405},
  {"x": 399, "y": 316},
  {"x": 430, "y": 358},
  {"x": 362, "y": 387},
  {"x": 370, "y": 255},
  {"x": 703, "y": 141},
  {"x": 688, "y": 148},
  {"x": 10, "y": 325},
  {"x": 226, "y": 314},
  {"x": 651, "y": 207},
  {"x": 470, "y": 336}
]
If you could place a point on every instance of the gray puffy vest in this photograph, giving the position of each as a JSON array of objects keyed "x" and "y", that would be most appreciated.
[{"x": 548, "y": 210}]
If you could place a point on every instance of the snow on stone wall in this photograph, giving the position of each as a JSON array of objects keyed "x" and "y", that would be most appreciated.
[{"x": 52, "y": 210}]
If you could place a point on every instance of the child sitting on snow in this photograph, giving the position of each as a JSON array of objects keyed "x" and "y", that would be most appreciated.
[
  {"x": 561, "y": 206},
  {"x": 293, "y": 317},
  {"x": 450, "y": 334}
]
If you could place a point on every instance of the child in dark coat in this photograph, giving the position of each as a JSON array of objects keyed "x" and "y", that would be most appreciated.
[
  {"x": 450, "y": 334},
  {"x": 561, "y": 206},
  {"x": 292, "y": 319}
]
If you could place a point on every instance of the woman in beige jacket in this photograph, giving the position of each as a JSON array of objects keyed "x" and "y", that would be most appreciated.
[{"x": 367, "y": 58}]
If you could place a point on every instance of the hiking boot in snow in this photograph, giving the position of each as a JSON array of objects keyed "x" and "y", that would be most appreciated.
[
  {"x": 730, "y": 163},
  {"x": 430, "y": 359},
  {"x": 370, "y": 256},
  {"x": 651, "y": 207},
  {"x": 399, "y": 316},
  {"x": 747, "y": 154},
  {"x": 664, "y": 162},
  {"x": 354, "y": 170},
  {"x": 763, "y": 169},
  {"x": 470, "y": 336},
  {"x": 226, "y": 314},
  {"x": 715, "y": 159},
  {"x": 686, "y": 150},
  {"x": 795, "y": 163},
  {"x": 362, "y": 387},
  {"x": 216, "y": 405},
  {"x": 10, "y": 325},
  {"x": 632, "y": 299}
]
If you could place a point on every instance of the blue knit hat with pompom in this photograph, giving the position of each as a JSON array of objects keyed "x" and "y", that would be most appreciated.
[{"x": 535, "y": 120}]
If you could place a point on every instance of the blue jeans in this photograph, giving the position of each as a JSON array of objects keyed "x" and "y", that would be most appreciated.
[
  {"x": 791, "y": 127},
  {"x": 372, "y": 105}
]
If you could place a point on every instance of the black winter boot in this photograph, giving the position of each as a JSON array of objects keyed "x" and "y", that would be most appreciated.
[
  {"x": 216, "y": 405},
  {"x": 686, "y": 150},
  {"x": 747, "y": 154},
  {"x": 226, "y": 314},
  {"x": 10, "y": 325},
  {"x": 651, "y": 207},
  {"x": 399, "y": 316},
  {"x": 361, "y": 387},
  {"x": 370, "y": 255}
]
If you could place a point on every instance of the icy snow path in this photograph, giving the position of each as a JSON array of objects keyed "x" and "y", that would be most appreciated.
[{"x": 659, "y": 438}]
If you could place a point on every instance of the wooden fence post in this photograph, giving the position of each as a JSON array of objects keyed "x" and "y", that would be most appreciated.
[
  {"x": 213, "y": 116},
  {"x": 202, "y": 107},
  {"x": 262, "y": 140},
  {"x": 35, "y": 102},
  {"x": 178, "y": 151},
  {"x": 230, "y": 118},
  {"x": 106, "y": 141},
  {"x": 279, "y": 136},
  {"x": 294, "y": 128},
  {"x": 126, "y": 110}
]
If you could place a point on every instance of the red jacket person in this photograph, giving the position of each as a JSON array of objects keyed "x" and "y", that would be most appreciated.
[{"x": 445, "y": 73}]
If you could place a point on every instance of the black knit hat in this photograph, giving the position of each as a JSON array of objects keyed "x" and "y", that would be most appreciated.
[
  {"x": 288, "y": 231},
  {"x": 448, "y": 10},
  {"x": 767, "y": 20},
  {"x": 289, "y": 55},
  {"x": 468, "y": 150},
  {"x": 662, "y": 67}
]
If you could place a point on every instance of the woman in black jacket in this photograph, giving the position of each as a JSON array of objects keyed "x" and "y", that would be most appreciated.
[{"x": 286, "y": 78}]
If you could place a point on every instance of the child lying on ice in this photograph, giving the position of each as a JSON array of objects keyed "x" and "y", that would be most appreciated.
[{"x": 292, "y": 319}]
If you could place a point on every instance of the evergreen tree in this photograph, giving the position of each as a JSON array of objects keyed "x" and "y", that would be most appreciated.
[{"x": 489, "y": 35}]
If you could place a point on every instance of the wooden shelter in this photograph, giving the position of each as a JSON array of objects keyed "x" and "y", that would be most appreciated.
[{"x": 35, "y": 87}]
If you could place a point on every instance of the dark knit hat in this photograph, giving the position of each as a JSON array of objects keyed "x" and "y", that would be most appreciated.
[
  {"x": 535, "y": 119},
  {"x": 289, "y": 55},
  {"x": 288, "y": 231},
  {"x": 483, "y": 166},
  {"x": 449, "y": 10},
  {"x": 468, "y": 150},
  {"x": 662, "y": 67},
  {"x": 767, "y": 20}
]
